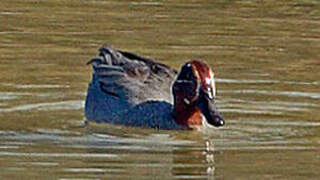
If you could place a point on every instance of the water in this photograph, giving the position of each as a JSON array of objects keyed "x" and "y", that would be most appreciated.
[{"x": 265, "y": 55}]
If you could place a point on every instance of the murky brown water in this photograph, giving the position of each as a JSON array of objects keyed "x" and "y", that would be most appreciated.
[{"x": 265, "y": 55}]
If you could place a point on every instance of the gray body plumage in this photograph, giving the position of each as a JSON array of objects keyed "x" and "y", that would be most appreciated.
[{"x": 130, "y": 90}]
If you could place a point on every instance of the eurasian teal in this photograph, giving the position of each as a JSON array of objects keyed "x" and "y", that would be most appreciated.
[{"x": 128, "y": 89}]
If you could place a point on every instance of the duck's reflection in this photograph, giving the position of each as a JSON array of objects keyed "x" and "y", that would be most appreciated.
[
  {"x": 209, "y": 155},
  {"x": 154, "y": 155},
  {"x": 195, "y": 162}
]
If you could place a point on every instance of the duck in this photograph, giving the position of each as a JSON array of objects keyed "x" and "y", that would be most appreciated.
[{"x": 131, "y": 90}]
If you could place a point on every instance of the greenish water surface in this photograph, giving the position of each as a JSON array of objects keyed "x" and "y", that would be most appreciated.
[{"x": 266, "y": 59}]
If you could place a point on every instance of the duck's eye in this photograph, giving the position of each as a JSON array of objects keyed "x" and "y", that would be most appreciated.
[{"x": 186, "y": 73}]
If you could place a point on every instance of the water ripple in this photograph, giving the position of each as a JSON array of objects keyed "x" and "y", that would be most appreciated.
[
  {"x": 247, "y": 81},
  {"x": 86, "y": 155},
  {"x": 12, "y": 95},
  {"x": 34, "y": 86},
  {"x": 263, "y": 81},
  {"x": 248, "y": 111},
  {"x": 312, "y": 95},
  {"x": 47, "y": 106}
]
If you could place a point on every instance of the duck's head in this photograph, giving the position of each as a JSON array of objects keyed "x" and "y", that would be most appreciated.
[{"x": 194, "y": 96}]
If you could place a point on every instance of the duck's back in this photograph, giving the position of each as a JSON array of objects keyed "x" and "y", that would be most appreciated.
[{"x": 123, "y": 81}]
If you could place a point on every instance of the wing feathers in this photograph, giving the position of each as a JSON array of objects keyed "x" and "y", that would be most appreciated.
[{"x": 132, "y": 77}]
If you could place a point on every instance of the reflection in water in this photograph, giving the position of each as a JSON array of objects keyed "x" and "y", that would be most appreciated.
[
  {"x": 209, "y": 154},
  {"x": 126, "y": 152},
  {"x": 115, "y": 151},
  {"x": 115, "y": 155}
]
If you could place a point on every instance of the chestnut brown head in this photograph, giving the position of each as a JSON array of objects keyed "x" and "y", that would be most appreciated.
[{"x": 194, "y": 89}]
